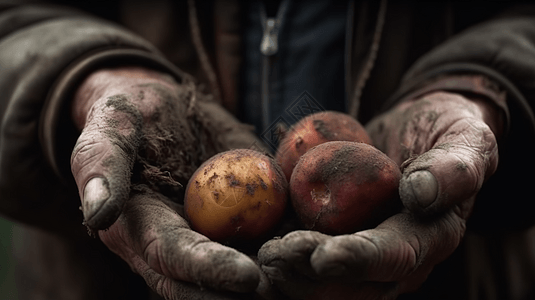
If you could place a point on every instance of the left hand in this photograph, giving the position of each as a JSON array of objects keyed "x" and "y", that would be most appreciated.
[
  {"x": 137, "y": 141},
  {"x": 446, "y": 144}
]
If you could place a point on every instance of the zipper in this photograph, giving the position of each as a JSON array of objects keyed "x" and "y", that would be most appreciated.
[{"x": 269, "y": 46}]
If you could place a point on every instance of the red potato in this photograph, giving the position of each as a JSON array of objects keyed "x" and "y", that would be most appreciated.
[
  {"x": 343, "y": 187},
  {"x": 235, "y": 196},
  {"x": 316, "y": 129}
]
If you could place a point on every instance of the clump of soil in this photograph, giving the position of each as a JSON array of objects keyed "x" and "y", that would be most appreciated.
[{"x": 179, "y": 139}]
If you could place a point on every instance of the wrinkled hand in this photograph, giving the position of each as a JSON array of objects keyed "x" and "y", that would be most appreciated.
[
  {"x": 135, "y": 118},
  {"x": 447, "y": 147}
]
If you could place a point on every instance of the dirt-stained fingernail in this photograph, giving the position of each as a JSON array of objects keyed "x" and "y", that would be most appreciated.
[
  {"x": 424, "y": 187},
  {"x": 96, "y": 192}
]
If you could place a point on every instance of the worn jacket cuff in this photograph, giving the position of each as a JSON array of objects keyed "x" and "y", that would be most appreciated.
[
  {"x": 57, "y": 135},
  {"x": 515, "y": 145}
]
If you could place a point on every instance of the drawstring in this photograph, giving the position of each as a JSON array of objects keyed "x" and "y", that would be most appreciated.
[
  {"x": 370, "y": 61},
  {"x": 201, "y": 51}
]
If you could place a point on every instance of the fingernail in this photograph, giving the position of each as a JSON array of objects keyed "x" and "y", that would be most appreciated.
[
  {"x": 424, "y": 187},
  {"x": 96, "y": 192}
]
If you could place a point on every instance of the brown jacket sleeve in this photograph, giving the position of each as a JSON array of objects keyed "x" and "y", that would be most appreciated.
[
  {"x": 44, "y": 51},
  {"x": 501, "y": 50}
]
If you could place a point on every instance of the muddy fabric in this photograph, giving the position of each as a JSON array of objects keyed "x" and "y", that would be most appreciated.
[{"x": 43, "y": 45}]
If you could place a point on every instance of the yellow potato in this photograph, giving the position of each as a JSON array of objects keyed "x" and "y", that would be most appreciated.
[{"x": 237, "y": 195}]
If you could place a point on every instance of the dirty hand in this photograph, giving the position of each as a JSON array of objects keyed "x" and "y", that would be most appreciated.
[
  {"x": 134, "y": 128},
  {"x": 447, "y": 147}
]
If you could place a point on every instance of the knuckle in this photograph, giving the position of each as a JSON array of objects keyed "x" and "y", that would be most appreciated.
[
  {"x": 162, "y": 286},
  {"x": 298, "y": 234},
  {"x": 474, "y": 146},
  {"x": 117, "y": 112},
  {"x": 86, "y": 155},
  {"x": 153, "y": 255},
  {"x": 452, "y": 229}
]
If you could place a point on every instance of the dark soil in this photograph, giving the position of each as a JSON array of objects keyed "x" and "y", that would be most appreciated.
[
  {"x": 321, "y": 128},
  {"x": 175, "y": 143}
]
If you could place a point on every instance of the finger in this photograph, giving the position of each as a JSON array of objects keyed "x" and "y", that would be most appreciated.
[
  {"x": 103, "y": 158},
  {"x": 398, "y": 248},
  {"x": 299, "y": 286},
  {"x": 282, "y": 274},
  {"x": 298, "y": 246},
  {"x": 163, "y": 239},
  {"x": 168, "y": 288},
  {"x": 266, "y": 290},
  {"x": 462, "y": 158}
]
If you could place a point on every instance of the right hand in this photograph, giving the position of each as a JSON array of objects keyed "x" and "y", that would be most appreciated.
[
  {"x": 130, "y": 119},
  {"x": 450, "y": 142}
]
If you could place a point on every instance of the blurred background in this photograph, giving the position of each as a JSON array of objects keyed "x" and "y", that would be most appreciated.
[{"x": 7, "y": 282}]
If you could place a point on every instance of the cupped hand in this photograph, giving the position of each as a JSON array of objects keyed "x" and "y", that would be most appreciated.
[
  {"x": 175, "y": 261},
  {"x": 138, "y": 143},
  {"x": 446, "y": 145}
]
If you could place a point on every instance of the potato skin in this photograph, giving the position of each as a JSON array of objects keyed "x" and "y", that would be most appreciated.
[
  {"x": 237, "y": 195},
  {"x": 343, "y": 187},
  {"x": 316, "y": 129}
]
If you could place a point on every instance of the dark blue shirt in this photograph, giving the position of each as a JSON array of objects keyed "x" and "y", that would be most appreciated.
[{"x": 308, "y": 66}]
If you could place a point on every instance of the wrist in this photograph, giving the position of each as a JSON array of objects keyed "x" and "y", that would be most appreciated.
[
  {"x": 492, "y": 115},
  {"x": 57, "y": 132},
  {"x": 488, "y": 97},
  {"x": 106, "y": 82}
]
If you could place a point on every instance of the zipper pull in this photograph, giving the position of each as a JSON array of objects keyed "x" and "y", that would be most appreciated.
[
  {"x": 269, "y": 45},
  {"x": 270, "y": 38}
]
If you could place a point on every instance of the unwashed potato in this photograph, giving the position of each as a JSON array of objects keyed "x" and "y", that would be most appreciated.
[
  {"x": 343, "y": 187},
  {"x": 316, "y": 129},
  {"x": 235, "y": 196}
]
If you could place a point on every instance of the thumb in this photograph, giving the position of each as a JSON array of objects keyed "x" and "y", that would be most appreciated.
[
  {"x": 453, "y": 170},
  {"x": 103, "y": 158}
]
